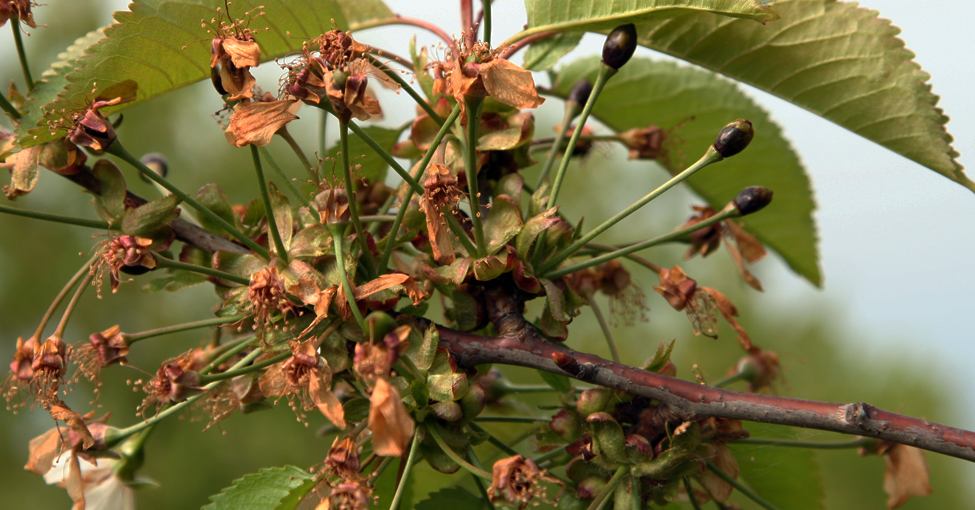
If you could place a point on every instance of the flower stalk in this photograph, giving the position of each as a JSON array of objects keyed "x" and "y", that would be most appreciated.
[
  {"x": 175, "y": 264},
  {"x": 711, "y": 156},
  {"x": 68, "y": 220},
  {"x": 9, "y": 108},
  {"x": 283, "y": 133},
  {"x": 230, "y": 374},
  {"x": 473, "y": 121},
  {"x": 338, "y": 242},
  {"x": 116, "y": 149},
  {"x": 607, "y": 333},
  {"x": 272, "y": 223},
  {"x": 387, "y": 157},
  {"x": 15, "y": 26},
  {"x": 291, "y": 187},
  {"x": 432, "y": 430},
  {"x": 604, "y": 496},
  {"x": 750, "y": 494},
  {"x": 85, "y": 269},
  {"x": 178, "y": 328},
  {"x": 367, "y": 262},
  {"x": 605, "y": 73},
  {"x": 571, "y": 110},
  {"x": 407, "y": 469}
]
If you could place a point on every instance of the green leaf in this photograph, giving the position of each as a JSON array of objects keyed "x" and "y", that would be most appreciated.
[
  {"x": 451, "y": 498},
  {"x": 832, "y": 58},
  {"x": 110, "y": 202},
  {"x": 356, "y": 410},
  {"x": 283, "y": 218},
  {"x": 558, "y": 382},
  {"x": 786, "y": 477},
  {"x": 360, "y": 11},
  {"x": 594, "y": 15},
  {"x": 546, "y": 53},
  {"x": 502, "y": 224},
  {"x": 148, "y": 217},
  {"x": 53, "y": 81},
  {"x": 213, "y": 198},
  {"x": 270, "y": 489},
  {"x": 422, "y": 352},
  {"x": 699, "y": 103},
  {"x": 178, "y": 279},
  {"x": 661, "y": 357},
  {"x": 147, "y": 46},
  {"x": 365, "y": 163}
]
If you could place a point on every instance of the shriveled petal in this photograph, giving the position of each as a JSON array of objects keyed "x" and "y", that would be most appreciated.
[
  {"x": 906, "y": 474},
  {"x": 510, "y": 84},
  {"x": 76, "y": 422},
  {"x": 721, "y": 457},
  {"x": 42, "y": 450},
  {"x": 320, "y": 390},
  {"x": 440, "y": 241},
  {"x": 392, "y": 427},
  {"x": 256, "y": 122},
  {"x": 272, "y": 382},
  {"x": 729, "y": 312},
  {"x": 242, "y": 53}
]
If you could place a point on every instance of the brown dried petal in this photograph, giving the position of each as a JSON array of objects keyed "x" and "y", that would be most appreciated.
[
  {"x": 510, "y": 84},
  {"x": 256, "y": 122},
  {"x": 242, "y": 53},
  {"x": 42, "y": 450},
  {"x": 392, "y": 427},
  {"x": 906, "y": 474},
  {"x": 721, "y": 457},
  {"x": 320, "y": 391},
  {"x": 75, "y": 422}
]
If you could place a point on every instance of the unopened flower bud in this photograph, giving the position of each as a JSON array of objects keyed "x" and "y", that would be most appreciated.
[
  {"x": 734, "y": 137},
  {"x": 447, "y": 411},
  {"x": 593, "y": 400},
  {"x": 607, "y": 435},
  {"x": 473, "y": 403},
  {"x": 333, "y": 206},
  {"x": 753, "y": 199},
  {"x": 157, "y": 163},
  {"x": 566, "y": 423},
  {"x": 579, "y": 93},
  {"x": 590, "y": 487},
  {"x": 619, "y": 46}
]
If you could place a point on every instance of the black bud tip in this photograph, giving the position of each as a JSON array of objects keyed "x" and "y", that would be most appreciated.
[
  {"x": 135, "y": 270},
  {"x": 157, "y": 163},
  {"x": 753, "y": 199},
  {"x": 216, "y": 80},
  {"x": 734, "y": 137},
  {"x": 580, "y": 92},
  {"x": 619, "y": 46}
]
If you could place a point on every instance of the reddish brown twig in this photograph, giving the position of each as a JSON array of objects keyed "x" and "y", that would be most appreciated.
[{"x": 691, "y": 400}]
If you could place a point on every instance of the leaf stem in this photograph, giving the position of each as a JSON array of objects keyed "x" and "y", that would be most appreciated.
[
  {"x": 603, "y": 326},
  {"x": 135, "y": 337},
  {"x": 371, "y": 142},
  {"x": 85, "y": 269},
  {"x": 287, "y": 182},
  {"x": 739, "y": 487},
  {"x": 838, "y": 445},
  {"x": 9, "y": 108},
  {"x": 116, "y": 149},
  {"x": 604, "y": 495},
  {"x": 337, "y": 242},
  {"x": 272, "y": 223},
  {"x": 230, "y": 374},
  {"x": 115, "y": 436},
  {"x": 68, "y": 220},
  {"x": 408, "y": 195},
  {"x": 711, "y": 156},
  {"x": 300, "y": 153},
  {"x": 473, "y": 122},
  {"x": 605, "y": 73},
  {"x": 417, "y": 98},
  {"x": 322, "y": 130},
  {"x": 571, "y": 110},
  {"x": 366, "y": 257},
  {"x": 15, "y": 26},
  {"x": 728, "y": 212},
  {"x": 230, "y": 349},
  {"x": 410, "y": 460},
  {"x": 432, "y": 429},
  {"x": 175, "y": 264}
]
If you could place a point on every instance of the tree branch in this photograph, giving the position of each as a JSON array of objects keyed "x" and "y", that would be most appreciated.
[{"x": 690, "y": 400}]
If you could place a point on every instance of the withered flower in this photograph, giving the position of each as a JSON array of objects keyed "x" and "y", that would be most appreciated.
[
  {"x": 906, "y": 473},
  {"x": 481, "y": 72},
  {"x": 343, "y": 459},
  {"x": 89, "y": 128},
  {"x": 48, "y": 365},
  {"x": 256, "y": 122},
  {"x": 306, "y": 380},
  {"x": 762, "y": 367},
  {"x": 706, "y": 240},
  {"x": 347, "y": 496},
  {"x": 333, "y": 206},
  {"x": 19, "y": 9},
  {"x": 175, "y": 380},
  {"x": 123, "y": 253},
  {"x": 626, "y": 299},
  {"x": 374, "y": 360},
  {"x": 21, "y": 374},
  {"x": 267, "y": 294},
  {"x": 644, "y": 143},
  {"x": 101, "y": 351},
  {"x": 391, "y": 425},
  {"x": 517, "y": 481},
  {"x": 720, "y": 456},
  {"x": 440, "y": 191},
  {"x": 699, "y": 303},
  {"x": 232, "y": 53},
  {"x": 322, "y": 299}
]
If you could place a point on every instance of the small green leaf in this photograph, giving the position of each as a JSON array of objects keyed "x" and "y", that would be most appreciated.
[
  {"x": 148, "y": 217},
  {"x": 213, "y": 198},
  {"x": 283, "y": 215},
  {"x": 237, "y": 264},
  {"x": 661, "y": 357},
  {"x": 595, "y": 15},
  {"x": 835, "y": 59},
  {"x": 162, "y": 46},
  {"x": 421, "y": 353},
  {"x": 269, "y": 489},
  {"x": 533, "y": 227},
  {"x": 313, "y": 241},
  {"x": 365, "y": 163},
  {"x": 502, "y": 224},
  {"x": 488, "y": 268},
  {"x": 646, "y": 93},
  {"x": 558, "y": 382},
  {"x": 110, "y": 203},
  {"x": 544, "y": 54},
  {"x": 451, "y": 498},
  {"x": 786, "y": 477}
]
